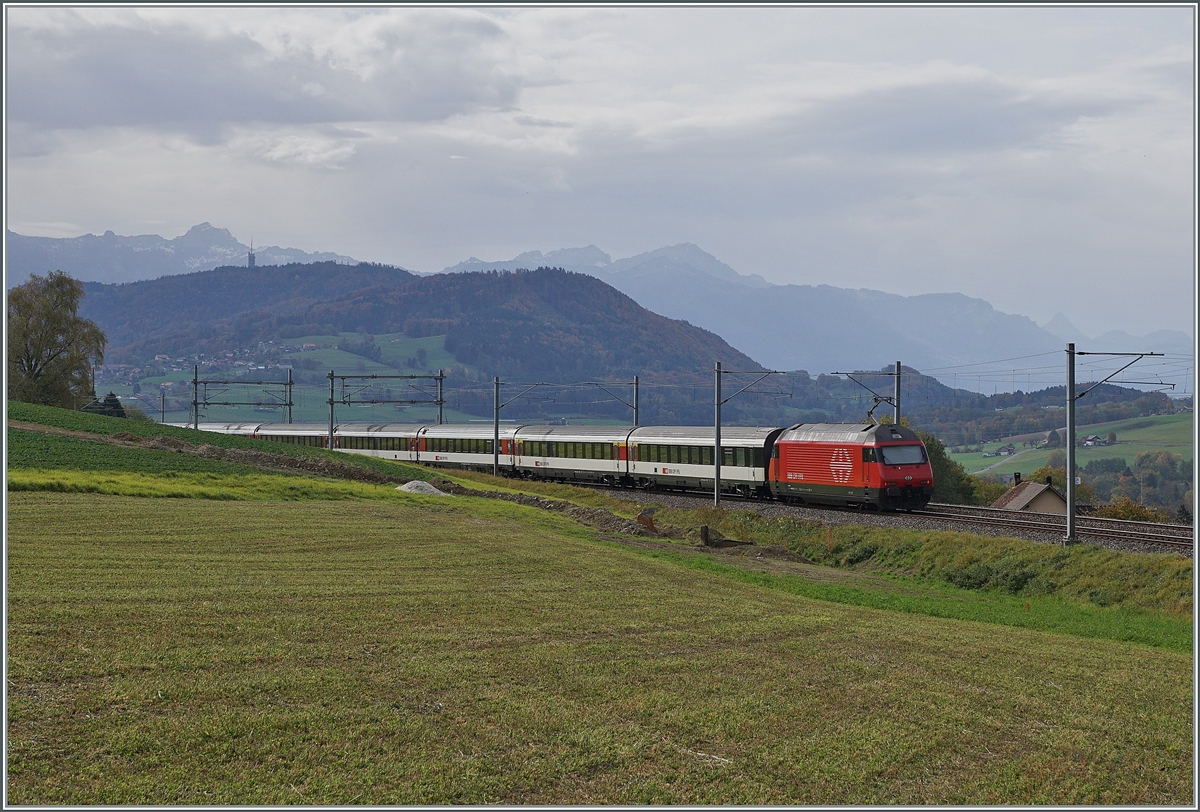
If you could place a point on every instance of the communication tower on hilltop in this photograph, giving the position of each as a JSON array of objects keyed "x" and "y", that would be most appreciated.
[{"x": 250, "y": 262}]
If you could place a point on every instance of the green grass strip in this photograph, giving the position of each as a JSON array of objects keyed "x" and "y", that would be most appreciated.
[
  {"x": 195, "y": 485},
  {"x": 1044, "y": 614},
  {"x": 99, "y": 424}
]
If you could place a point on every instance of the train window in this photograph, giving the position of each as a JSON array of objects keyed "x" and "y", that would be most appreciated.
[
  {"x": 673, "y": 453},
  {"x": 868, "y": 454},
  {"x": 489, "y": 445},
  {"x": 740, "y": 457},
  {"x": 706, "y": 455},
  {"x": 727, "y": 457},
  {"x": 757, "y": 459},
  {"x": 902, "y": 454}
]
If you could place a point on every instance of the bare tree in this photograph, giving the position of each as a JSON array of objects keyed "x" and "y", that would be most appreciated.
[{"x": 51, "y": 349}]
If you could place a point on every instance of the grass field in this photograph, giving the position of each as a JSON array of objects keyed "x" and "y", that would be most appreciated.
[
  {"x": 190, "y": 631},
  {"x": 467, "y": 651},
  {"x": 1172, "y": 432}
]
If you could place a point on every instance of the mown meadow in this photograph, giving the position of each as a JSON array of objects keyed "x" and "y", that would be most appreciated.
[{"x": 186, "y": 630}]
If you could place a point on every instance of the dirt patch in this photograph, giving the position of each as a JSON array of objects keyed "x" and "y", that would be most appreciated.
[
  {"x": 599, "y": 518},
  {"x": 772, "y": 559}
]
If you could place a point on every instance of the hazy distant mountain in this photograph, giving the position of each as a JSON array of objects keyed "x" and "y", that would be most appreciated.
[
  {"x": 113, "y": 258},
  {"x": 679, "y": 264},
  {"x": 1165, "y": 341},
  {"x": 683, "y": 261},
  {"x": 823, "y": 328},
  {"x": 580, "y": 260}
]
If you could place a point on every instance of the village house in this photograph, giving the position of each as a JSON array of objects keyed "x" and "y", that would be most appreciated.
[{"x": 1032, "y": 497}]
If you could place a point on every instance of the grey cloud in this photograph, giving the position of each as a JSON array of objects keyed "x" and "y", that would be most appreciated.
[
  {"x": 940, "y": 118},
  {"x": 176, "y": 78}
]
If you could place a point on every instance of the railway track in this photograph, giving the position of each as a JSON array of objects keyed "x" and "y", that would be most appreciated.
[
  {"x": 1177, "y": 536},
  {"x": 1129, "y": 535}
]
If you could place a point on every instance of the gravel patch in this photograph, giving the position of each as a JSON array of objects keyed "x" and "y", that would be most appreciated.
[{"x": 424, "y": 488}]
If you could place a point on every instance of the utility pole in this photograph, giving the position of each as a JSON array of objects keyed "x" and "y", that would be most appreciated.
[
  {"x": 289, "y": 395},
  {"x": 635, "y": 401},
  {"x": 717, "y": 438},
  {"x": 717, "y": 402},
  {"x": 441, "y": 377},
  {"x": 896, "y": 398},
  {"x": 1071, "y": 398},
  {"x": 196, "y": 397},
  {"x": 330, "y": 376},
  {"x": 1070, "y": 538},
  {"x": 162, "y": 408},
  {"x": 495, "y": 427}
]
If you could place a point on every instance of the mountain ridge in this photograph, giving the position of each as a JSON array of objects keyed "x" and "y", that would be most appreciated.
[
  {"x": 112, "y": 258},
  {"x": 822, "y": 327}
]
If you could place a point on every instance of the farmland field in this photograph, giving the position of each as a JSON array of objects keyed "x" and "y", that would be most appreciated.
[
  {"x": 1171, "y": 432},
  {"x": 185, "y": 630},
  {"x": 423, "y": 652}
]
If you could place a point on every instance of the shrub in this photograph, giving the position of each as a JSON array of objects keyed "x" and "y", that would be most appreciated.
[{"x": 1126, "y": 508}]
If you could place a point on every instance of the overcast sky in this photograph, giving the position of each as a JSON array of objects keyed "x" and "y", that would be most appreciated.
[{"x": 1039, "y": 158}]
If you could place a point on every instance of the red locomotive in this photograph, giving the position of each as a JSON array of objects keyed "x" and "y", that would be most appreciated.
[{"x": 849, "y": 464}]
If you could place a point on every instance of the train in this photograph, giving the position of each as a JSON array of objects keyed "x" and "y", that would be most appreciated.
[{"x": 841, "y": 464}]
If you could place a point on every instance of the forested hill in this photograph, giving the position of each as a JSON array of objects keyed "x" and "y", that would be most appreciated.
[
  {"x": 544, "y": 324},
  {"x": 172, "y": 307}
]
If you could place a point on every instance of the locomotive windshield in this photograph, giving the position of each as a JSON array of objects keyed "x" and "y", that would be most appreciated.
[{"x": 902, "y": 454}]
